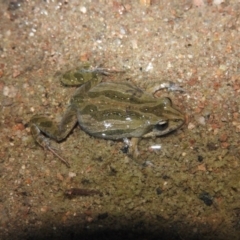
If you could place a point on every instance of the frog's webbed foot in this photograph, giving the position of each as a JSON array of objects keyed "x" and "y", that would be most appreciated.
[
  {"x": 45, "y": 143},
  {"x": 108, "y": 71},
  {"x": 170, "y": 86},
  {"x": 103, "y": 71}
]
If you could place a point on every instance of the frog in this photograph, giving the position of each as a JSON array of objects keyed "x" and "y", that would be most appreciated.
[{"x": 108, "y": 110}]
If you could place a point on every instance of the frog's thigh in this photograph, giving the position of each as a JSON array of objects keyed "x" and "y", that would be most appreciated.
[
  {"x": 41, "y": 123},
  {"x": 67, "y": 123}
]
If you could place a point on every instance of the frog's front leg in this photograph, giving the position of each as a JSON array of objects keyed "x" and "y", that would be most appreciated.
[
  {"x": 40, "y": 124},
  {"x": 132, "y": 146}
]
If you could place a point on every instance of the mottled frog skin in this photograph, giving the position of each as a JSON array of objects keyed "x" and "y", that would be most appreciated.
[{"x": 108, "y": 110}]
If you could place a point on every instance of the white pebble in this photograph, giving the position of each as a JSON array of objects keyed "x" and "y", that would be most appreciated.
[
  {"x": 201, "y": 120},
  {"x": 72, "y": 174},
  {"x": 191, "y": 126},
  {"x": 5, "y": 91},
  {"x": 156, "y": 147},
  {"x": 134, "y": 44},
  {"x": 149, "y": 67},
  {"x": 83, "y": 9},
  {"x": 10, "y": 91},
  {"x": 217, "y": 2}
]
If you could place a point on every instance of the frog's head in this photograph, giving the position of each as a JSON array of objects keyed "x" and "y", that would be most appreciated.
[{"x": 169, "y": 119}]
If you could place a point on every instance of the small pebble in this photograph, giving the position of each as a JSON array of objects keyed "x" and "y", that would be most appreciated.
[
  {"x": 83, "y": 9},
  {"x": 9, "y": 91},
  {"x": 149, "y": 67},
  {"x": 72, "y": 174},
  {"x": 191, "y": 126},
  {"x": 217, "y": 2},
  {"x": 184, "y": 154},
  {"x": 201, "y": 120}
]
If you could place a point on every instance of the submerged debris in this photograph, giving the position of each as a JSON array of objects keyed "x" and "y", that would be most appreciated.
[{"x": 206, "y": 198}]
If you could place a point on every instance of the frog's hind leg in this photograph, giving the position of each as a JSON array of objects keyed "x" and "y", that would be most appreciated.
[{"x": 40, "y": 124}]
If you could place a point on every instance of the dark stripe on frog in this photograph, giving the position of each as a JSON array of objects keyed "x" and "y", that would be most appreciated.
[
  {"x": 93, "y": 111},
  {"x": 156, "y": 110},
  {"x": 132, "y": 97}
]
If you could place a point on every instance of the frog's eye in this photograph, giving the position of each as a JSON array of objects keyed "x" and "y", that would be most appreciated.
[
  {"x": 167, "y": 101},
  {"x": 161, "y": 126}
]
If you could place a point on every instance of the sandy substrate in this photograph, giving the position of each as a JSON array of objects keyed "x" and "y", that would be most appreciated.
[{"x": 189, "y": 189}]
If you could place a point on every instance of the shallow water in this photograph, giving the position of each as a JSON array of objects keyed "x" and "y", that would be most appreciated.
[{"x": 189, "y": 189}]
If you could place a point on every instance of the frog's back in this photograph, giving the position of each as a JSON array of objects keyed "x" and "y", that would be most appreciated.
[{"x": 113, "y": 111}]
